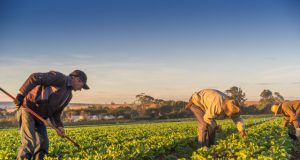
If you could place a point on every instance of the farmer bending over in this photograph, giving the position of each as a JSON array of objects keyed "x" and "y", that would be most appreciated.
[
  {"x": 291, "y": 112},
  {"x": 209, "y": 105}
]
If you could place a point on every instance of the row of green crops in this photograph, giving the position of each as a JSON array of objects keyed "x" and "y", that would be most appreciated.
[{"x": 171, "y": 140}]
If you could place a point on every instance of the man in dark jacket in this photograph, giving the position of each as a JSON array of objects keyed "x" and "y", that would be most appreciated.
[{"x": 47, "y": 94}]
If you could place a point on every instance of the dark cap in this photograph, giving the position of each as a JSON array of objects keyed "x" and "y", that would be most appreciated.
[{"x": 82, "y": 76}]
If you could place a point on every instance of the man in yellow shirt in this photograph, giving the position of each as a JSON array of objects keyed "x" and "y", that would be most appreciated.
[
  {"x": 291, "y": 112},
  {"x": 209, "y": 105}
]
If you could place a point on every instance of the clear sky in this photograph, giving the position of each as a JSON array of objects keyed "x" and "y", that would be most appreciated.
[{"x": 167, "y": 49}]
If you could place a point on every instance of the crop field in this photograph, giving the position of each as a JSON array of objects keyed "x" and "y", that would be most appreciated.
[{"x": 165, "y": 140}]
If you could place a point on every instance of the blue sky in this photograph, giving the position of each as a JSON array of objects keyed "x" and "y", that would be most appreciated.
[{"x": 167, "y": 49}]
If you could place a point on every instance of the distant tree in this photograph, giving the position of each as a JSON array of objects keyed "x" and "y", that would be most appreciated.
[
  {"x": 237, "y": 94},
  {"x": 158, "y": 101},
  {"x": 134, "y": 114},
  {"x": 69, "y": 114},
  {"x": 144, "y": 99},
  {"x": 92, "y": 107},
  {"x": 152, "y": 112},
  {"x": 113, "y": 111},
  {"x": 168, "y": 103},
  {"x": 165, "y": 110},
  {"x": 122, "y": 111},
  {"x": 179, "y": 106},
  {"x": 101, "y": 111},
  {"x": 252, "y": 109},
  {"x": 266, "y": 100},
  {"x": 278, "y": 97}
]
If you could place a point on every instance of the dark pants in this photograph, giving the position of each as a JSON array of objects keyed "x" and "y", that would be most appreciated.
[
  {"x": 297, "y": 117},
  {"x": 206, "y": 135},
  {"x": 292, "y": 127},
  {"x": 33, "y": 137}
]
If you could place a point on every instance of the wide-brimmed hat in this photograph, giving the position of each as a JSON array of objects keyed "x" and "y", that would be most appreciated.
[{"x": 275, "y": 109}]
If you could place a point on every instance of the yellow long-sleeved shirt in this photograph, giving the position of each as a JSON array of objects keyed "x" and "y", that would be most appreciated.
[{"x": 289, "y": 111}]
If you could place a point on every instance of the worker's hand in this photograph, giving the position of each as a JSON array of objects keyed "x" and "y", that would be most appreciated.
[
  {"x": 60, "y": 131},
  {"x": 285, "y": 123},
  {"x": 218, "y": 128},
  {"x": 243, "y": 133},
  {"x": 19, "y": 100}
]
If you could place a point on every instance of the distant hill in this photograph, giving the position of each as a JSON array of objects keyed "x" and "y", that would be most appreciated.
[
  {"x": 12, "y": 105},
  {"x": 7, "y": 105},
  {"x": 71, "y": 105},
  {"x": 249, "y": 103}
]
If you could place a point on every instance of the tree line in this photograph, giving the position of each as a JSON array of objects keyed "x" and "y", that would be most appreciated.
[{"x": 148, "y": 107}]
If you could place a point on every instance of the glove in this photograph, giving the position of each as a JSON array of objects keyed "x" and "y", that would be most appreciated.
[
  {"x": 291, "y": 130},
  {"x": 19, "y": 100},
  {"x": 298, "y": 133},
  {"x": 292, "y": 136},
  {"x": 61, "y": 132},
  {"x": 285, "y": 124},
  {"x": 243, "y": 133}
]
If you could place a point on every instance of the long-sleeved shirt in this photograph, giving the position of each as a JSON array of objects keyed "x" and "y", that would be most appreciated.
[
  {"x": 212, "y": 103},
  {"x": 289, "y": 109},
  {"x": 48, "y": 94}
]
